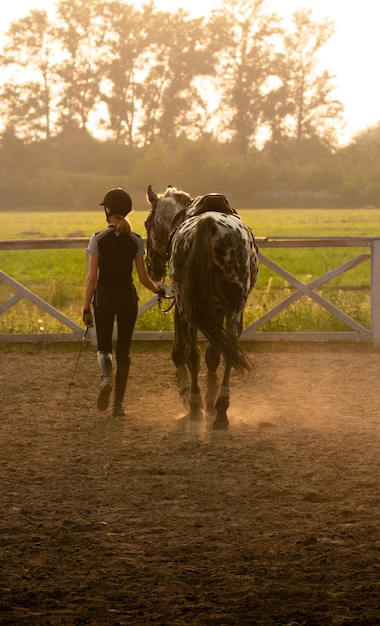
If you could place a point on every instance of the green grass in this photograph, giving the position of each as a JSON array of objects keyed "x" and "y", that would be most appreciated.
[
  {"x": 264, "y": 222},
  {"x": 40, "y": 224},
  {"x": 58, "y": 276},
  {"x": 313, "y": 222}
]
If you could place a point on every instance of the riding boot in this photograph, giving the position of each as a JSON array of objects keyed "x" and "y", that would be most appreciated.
[
  {"x": 121, "y": 378},
  {"x": 105, "y": 366}
]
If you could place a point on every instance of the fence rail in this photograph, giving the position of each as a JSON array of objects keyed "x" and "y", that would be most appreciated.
[{"x": 357, "y": 332}]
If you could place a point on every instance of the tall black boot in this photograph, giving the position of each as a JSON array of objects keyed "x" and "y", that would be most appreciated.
[
  {"x": 105, "y": 366},
  {"x": 121, "y": 378}
]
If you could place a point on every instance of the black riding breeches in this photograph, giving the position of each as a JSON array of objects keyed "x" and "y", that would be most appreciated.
[{"x": 125, "y": 321}]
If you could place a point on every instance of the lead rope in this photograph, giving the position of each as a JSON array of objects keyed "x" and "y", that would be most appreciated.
[
  {"x": 171, "y": 298},
  {"x": 168, "y": 308}
]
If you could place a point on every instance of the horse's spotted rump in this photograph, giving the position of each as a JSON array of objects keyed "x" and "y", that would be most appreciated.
[
  {"x": 233, "y": 252},
  {"x": 213, "y": 266}
]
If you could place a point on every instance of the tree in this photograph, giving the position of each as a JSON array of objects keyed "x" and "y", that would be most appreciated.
[
  {"x": 359, "y": 163},
  {"x": 245, "y": 68},
  {"x": 309, "y": 107},
  {"x": 28, "y": 94},
  {"x": 81, "y": 32},
  {"x": 123, "y": 68},
  {"x": 180, "y": 53}
]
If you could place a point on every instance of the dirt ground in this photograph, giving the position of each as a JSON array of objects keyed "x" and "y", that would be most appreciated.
[{"x": 150, "y": 519}]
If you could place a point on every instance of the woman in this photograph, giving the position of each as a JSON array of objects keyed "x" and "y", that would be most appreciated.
[{"x": 110, "y": 289}]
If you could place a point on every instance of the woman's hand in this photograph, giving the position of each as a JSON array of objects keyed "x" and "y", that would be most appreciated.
[{"x": 88, "y": 320}]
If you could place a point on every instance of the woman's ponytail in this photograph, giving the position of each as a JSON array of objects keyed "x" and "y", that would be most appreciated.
[{"x": 124, "y": 227}]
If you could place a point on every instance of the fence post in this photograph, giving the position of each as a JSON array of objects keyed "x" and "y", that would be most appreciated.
[{"x": 375, "y": 292}]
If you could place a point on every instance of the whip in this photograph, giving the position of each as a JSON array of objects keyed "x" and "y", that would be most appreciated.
[{"x": 76, "y": 364}]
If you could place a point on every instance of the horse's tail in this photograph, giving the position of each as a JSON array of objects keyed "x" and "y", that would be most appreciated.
[{"x": 202, "y": 298}]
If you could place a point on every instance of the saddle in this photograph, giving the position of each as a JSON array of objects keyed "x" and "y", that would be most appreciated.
[
  {"x": 210, "y": 202},
  {"x": 202, "y": 204}
]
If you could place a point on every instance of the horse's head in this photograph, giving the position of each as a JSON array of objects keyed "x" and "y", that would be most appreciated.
[{"x": 164, "y": 207}]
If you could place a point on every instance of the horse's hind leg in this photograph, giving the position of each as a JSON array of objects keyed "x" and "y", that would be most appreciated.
[
  {"x": 186, "y": 357},
  {"x": 212, "y": 358},
  {"x": 194, "y": 364},
  {"x": 222, "y": 401},
  {"x": 234, "y": 325},
  {"x": 179, "y": 359}
]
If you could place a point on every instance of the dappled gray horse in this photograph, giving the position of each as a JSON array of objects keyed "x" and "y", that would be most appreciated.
[{"x": 213, "y": 266}]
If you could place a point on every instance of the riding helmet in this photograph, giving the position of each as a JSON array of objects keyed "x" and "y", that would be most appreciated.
[{"x": 118, "y": 201}]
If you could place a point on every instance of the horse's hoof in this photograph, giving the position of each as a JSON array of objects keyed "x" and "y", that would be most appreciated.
[
  {"x": 210, "y": 409},
  {"x": 221, "y": 420},
  {"x": 185, "y": 400},
  {"x": 195, "y": 414},
  {"x": 220, "y": 424}
]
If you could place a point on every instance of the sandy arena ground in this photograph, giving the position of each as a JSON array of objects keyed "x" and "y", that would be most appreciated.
[{"x": 150, "y": 519}]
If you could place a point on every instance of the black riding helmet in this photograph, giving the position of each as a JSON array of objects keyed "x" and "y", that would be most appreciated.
[{"x": 118, "y": 201}]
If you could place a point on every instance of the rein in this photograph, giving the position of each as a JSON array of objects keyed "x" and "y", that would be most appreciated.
[
  {"x": 168, "y": 308},
  {"x": 153, "y": 253}
]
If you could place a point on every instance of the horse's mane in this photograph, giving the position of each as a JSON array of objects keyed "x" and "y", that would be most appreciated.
[{"x": 181, "y": 197}]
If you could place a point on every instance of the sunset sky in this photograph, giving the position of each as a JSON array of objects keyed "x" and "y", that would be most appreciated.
[{"x": 352, "y": 53}]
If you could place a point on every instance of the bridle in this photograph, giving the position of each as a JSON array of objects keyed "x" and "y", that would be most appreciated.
[{"x": 155, "y": 257}]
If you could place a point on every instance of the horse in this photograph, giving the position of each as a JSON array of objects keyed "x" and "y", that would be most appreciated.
[{"x": 213, "y": 266}]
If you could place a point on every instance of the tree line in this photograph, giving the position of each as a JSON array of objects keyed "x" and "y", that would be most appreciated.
[{"x": 105, "y": 90}]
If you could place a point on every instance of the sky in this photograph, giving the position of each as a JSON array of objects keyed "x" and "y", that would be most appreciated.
[{"x": 352, "y": 54}]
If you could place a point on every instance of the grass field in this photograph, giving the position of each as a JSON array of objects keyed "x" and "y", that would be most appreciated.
[
  {"x": 264, "y": 222},
  {"x": 58, "y": 276}
]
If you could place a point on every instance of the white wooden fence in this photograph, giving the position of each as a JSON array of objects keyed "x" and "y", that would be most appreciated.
[{"x": 357, "y": 332}]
